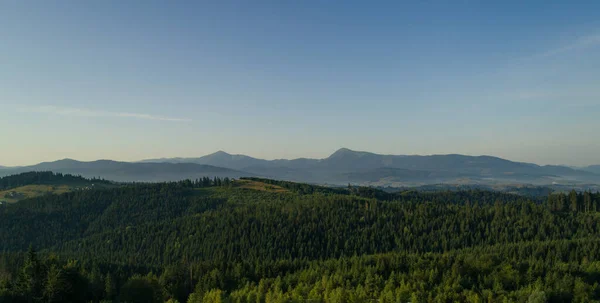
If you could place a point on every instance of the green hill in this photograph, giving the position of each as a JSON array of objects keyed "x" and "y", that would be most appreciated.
[
  {"x": 259, "y": 240},
  {"x": 33, "y": 184}
]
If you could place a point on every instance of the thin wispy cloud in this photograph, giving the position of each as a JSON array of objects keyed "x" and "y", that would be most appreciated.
[
  {"x": 545, "y": 95},
  {"x": 78, "y": 112},
  {"x": 578, "y": 44}
]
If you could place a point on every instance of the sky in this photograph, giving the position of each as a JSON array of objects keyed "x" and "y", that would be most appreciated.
[{"x": 131, "y": 80}]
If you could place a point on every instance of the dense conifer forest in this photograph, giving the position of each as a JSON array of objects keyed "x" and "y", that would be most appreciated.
[{"x": 257, "y": 240}]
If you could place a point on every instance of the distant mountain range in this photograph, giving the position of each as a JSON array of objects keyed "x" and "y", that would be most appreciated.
[
  {"x": 342, "y": 167},
  {"x": 348, "y": 166},
  {"x": 128, "y": 171}
]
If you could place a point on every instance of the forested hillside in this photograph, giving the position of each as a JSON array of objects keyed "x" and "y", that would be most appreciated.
[
  {"x": 258, "y": 240},
  {"x": 21, "y": 186},
  {"x": 45, "y": 177}
]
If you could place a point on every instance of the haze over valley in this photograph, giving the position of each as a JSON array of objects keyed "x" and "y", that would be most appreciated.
[{"x": 342, "y": 167}]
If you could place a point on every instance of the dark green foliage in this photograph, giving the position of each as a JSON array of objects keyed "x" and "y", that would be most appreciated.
[
  {"x": 140, "y": 289},
  {"x": 208, "y": 241},
  {"x": 574, "y": 202},
  {"x": 301, "y": 188}
]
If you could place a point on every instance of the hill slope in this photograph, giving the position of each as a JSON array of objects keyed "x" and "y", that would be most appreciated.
[
  {"x": 592, "y": 168},
  {"x": 22, "y": 186}
]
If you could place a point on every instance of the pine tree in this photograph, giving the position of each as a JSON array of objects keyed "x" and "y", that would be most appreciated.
[
  {"x": 30, "y": 279},
  {"x": 574, "y": 201},
  {"x": 110, "y": 288}
]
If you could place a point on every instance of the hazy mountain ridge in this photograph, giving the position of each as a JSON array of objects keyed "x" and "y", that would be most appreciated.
[
  {"x": 130, "y": 172},
  {"x": 592, "y": 168},
  {"x": 342, "y": 167},
  {"x": 346, "y": 165}
]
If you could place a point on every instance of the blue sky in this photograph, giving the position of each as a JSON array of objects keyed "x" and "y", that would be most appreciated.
[{"x": 130, "y": 80}]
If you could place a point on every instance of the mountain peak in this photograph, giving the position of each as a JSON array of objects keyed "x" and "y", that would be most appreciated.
[
  {"x": 220, "y": 153},
  {"x": 66, "y": 160},
  {"x": 344, "y": 152}
]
